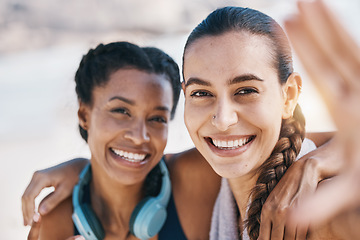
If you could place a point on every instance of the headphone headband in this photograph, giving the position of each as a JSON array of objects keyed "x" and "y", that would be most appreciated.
[{"x": 146, "y": 220}]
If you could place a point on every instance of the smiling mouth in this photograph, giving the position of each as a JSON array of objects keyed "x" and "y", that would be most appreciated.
[
  {"x": 129, "y": 156},
  {"x": 232, "y": 144}
]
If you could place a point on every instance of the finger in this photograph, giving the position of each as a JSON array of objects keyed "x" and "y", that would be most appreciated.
[
  {"x": 53, "y": 199},
  {"x": 290, "y": 231},
  {"x": 35, "y": 228},
  {"x": 277, "y": 231},
  {"x": 265, "y": 229},
  {"x": 330, "y": 38},
  {"x": 301, "y": 232},
  {"x": 28, "y": 198},
  {"x": 78, "y": 237}
]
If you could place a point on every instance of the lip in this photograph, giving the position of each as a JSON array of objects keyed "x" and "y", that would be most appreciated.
[
  {"x": 229, "y": 152},
  {"x": 119, "y": 160}
]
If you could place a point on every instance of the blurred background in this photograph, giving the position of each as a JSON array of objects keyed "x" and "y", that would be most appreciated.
[{"x": 41, "y": 44}]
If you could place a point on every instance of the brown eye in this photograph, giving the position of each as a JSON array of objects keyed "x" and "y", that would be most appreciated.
[
  {"x": 200, "y": 94},
  {"x": 121, "y": 111},
  {"x": 158, "y": 119},
  {"x": 246, "y": 91}
]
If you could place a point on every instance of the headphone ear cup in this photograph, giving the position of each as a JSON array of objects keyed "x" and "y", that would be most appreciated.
[
  {"x": 135, "y": 214},
  {"x": 93, "y": 221},
  {"x": 147, "y": 218}
]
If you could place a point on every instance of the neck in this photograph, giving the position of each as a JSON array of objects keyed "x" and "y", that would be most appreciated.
[
  {"x": 112, "y": 201},
  {"x": 241, "y": 188}
]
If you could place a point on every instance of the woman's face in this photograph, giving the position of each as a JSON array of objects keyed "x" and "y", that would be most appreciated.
[
  {"x": 233, "y": 101},
  {"x": 127, "y": 123}
]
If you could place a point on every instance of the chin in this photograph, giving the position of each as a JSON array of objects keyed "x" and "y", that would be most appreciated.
[{"x": 234, "y": 170}]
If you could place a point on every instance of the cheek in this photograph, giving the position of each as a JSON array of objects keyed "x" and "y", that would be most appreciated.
[
  {"x": 159, "y": 138},
  {"x": 195, "y": 116},
  {"x": 266, "y": 113}
]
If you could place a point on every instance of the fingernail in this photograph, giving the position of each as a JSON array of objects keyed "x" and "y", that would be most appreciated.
[
  {"x": 80, "y": 238},
  {"x": 36, "y": 217}
]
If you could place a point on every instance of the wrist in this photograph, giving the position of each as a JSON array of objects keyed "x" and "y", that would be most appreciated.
[{"x": 314, "y": 165}]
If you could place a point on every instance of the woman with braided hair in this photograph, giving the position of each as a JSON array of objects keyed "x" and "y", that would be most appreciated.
[{"x": 242, "y": 114}]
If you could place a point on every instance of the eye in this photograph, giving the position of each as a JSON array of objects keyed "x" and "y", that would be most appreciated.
[
  {"x": 158, "y": 119},
  {"x": 200, "y": 93},
  {"x": 246, "y": 91},
  {"x": 121, "y": 111}
]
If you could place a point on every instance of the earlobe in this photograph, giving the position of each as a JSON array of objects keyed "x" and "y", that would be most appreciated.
[
  {"x": 83, "y": 116},
  {"x": 291, "y": 89}
]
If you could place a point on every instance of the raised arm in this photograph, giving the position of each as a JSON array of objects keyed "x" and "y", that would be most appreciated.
[
  {"x": 62, "y": 177},
  {"x": 332, "y": 59}
]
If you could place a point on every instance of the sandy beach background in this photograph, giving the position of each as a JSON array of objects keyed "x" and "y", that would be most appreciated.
[{"x": 41, "y": 44}]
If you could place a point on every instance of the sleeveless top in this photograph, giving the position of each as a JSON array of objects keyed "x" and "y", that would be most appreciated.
[{"x": 172, "y": 228}]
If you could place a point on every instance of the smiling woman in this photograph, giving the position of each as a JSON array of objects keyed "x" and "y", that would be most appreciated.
[
  {"x": 120, "y": 123},
  {"x": 125, "y": 102},
  {"x": 241, "y": 112}
]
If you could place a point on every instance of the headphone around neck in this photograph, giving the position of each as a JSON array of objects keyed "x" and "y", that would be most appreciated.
[{"x": 146, "y": 220}]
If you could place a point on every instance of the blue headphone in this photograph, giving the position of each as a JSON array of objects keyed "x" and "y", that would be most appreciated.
[{"x": 146, "y": 220}]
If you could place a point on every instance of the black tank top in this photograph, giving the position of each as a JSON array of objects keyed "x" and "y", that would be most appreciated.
[{"x": 172, "y": 228}]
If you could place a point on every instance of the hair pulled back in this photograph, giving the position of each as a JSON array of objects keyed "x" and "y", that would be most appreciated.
[
  {"x": 98, "y": 64},
  {"x": 292, "y": 131}
]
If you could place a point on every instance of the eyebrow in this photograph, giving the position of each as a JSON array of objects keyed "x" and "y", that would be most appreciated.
[
  {"x": 162, "y": 108},
  {"x": 238, "y": 79},
  {"x": 128, "y": 101},
  {"x": 197, "y": 81},
  {"x": 245, "y": 77}
]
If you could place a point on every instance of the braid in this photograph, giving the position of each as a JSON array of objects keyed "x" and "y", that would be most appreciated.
[{"x": 284, "y": 154}]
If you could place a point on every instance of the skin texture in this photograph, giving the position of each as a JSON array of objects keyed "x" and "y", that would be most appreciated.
[
  {"x": 120, "y": 117},
  {"x": 181, "y": 167},
  {"x": 250, "y": 106},
  {"x": 332, "y": 61},
  {"x": 246, "y": 98}
]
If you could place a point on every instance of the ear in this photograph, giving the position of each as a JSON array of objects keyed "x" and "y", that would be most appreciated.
[
  {"x": 83, "y": 115},
  {"x": 183, "y": 86},
  {"x": 291, "y": 92}
]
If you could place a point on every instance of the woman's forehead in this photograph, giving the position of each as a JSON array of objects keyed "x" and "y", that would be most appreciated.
[{"x": 229, "y": 53}]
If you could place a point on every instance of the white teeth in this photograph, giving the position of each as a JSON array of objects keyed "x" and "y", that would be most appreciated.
[
  {"x": 233, "y": 144},
  {"x": 131, "y": 157}
]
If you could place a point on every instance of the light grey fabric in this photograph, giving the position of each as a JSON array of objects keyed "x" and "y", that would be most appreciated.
[{"x": 224, "y": 220}]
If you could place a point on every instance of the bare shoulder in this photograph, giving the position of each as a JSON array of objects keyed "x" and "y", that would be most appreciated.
[
  {"x": 195, "y": 188},
  {"x": 58, "y": 224},
  {"x": 191, "y": 173},
  {"x": 190, "y": 163}
]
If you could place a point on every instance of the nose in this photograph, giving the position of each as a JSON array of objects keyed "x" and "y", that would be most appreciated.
[
  {"x": 225, "y": 116},
  {"x": 138, "y": 133}
]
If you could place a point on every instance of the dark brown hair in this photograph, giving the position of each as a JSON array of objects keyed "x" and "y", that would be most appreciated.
[{"x": 292, "y": 131}]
